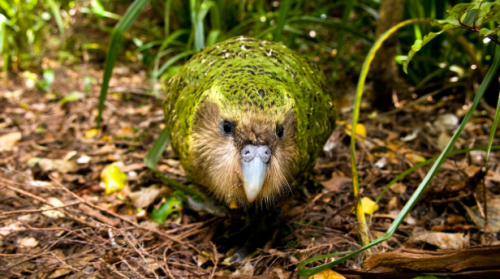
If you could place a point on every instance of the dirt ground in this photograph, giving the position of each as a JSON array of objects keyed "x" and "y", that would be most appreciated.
[{"x": 50, "y": 155}]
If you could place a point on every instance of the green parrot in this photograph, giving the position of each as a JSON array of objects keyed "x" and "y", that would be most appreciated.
[{"x": 247, "y": 119}]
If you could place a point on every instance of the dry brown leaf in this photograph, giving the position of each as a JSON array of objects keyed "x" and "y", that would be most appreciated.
[
  {"x": 398, "y": 188},
  {"x": 336, "y": 183},
  {"x": 28, "y": 242},
  {"x": 146, "y": 196},
  {"x": 57, "y": 164},
  {"x": 444, "y": 240},
  {"x": 55, "y": 214},
  {"x": 8, "y": 141},
  {"x": 493, "y": 208}
]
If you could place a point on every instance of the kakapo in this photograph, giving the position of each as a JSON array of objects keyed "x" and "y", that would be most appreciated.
[{"x": 247, "y": 118}]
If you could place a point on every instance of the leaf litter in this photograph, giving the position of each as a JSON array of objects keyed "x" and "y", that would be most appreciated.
[{"x": 62, "y": 215}]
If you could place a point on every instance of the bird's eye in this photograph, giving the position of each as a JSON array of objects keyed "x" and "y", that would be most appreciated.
[
  {"x": 227, "y": 127},
  {"x": 279, "y": 131}
]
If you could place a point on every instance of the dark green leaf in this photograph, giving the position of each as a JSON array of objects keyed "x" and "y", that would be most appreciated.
[
  {"x": 460, "y": 9},
  {"x": 493, "y": 15},
  {"x": 420, "y": 43}
]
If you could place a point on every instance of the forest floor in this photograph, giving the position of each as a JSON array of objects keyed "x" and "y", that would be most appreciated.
[{"x": 50, "y": 155}]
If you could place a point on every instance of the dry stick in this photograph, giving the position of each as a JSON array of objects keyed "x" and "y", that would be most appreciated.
[
  {"x": 71, "y": 216},
  {"x": 132, "y": 269},
  {"x": 113, "y": 269},
  {"x": 166, "y": 262},
  {"x": 116, "y": 215},
  {"x": 37, "y": 210},
  {"x": 126, "y": 235},
  {"x": 215, "y": 260},
  {"x": 68, "y": 266}
]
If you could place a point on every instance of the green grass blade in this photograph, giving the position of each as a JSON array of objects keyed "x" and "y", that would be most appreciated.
[
  {"x": 197, "y": 22},
  {"x": 156, "y": 151},
  {"x": 423, "y": 185},
  {"x": 212, "y": 37},
  {"x": 57, "y": 14},
  {"x": 285, "y": 7},
  {"x": 493, "y": 129},
  {"x": 114, "y": 46},
  {"x": 153, "y": 157},
  {"x": 174, "y": 59}
]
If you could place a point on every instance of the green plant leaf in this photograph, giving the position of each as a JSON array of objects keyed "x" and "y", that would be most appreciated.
[
  {"x": 439, "y": 22},
  {"x": 98, "y": 9},
  {"x": 71, "y": 97},
  {"x": 461, "y": 9},
  {"x": 47, "y": 80},
  {"x": 493, "y": 15},
  {"x": 486, "y": 32},
  {"x": 420, "y": 43},
  {"x": 171, "y": 205},
  {"x": 114, "y": 46}
]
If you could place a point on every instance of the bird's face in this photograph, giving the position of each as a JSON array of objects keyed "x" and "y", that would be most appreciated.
[{"x": 246, "y": 155}]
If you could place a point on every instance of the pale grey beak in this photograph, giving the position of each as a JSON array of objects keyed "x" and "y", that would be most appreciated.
[{"x": 254, "y": 159}]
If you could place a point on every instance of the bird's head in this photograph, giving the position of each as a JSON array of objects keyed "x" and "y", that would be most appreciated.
[{"x": 244, "y": 142}]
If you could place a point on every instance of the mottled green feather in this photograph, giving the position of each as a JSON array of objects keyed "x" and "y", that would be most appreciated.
[{"x": 247, "y": 74}]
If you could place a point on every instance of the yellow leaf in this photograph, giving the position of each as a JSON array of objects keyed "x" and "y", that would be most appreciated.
[
  {"x": 327, "y": 274},
  {"x": 367, "y": 205},
  {"x": 360, "y": 131},
  {"x": 415, "y": 158},
  {"x": 24, "y": 105},
  {"x": 113, "y": 178},
  {"x": 91, "y": 133}
]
